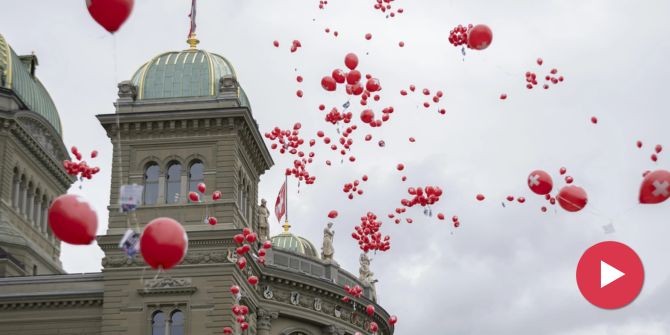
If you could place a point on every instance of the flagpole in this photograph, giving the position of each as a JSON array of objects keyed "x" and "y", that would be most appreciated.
[{"x": 286, "y": 225}]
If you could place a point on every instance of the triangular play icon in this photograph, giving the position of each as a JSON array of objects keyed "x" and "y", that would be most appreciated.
[{"x": 608, "y": 274}]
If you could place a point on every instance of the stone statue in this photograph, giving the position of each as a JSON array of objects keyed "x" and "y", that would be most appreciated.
[
  {"x": 327, "y": 250},
  {"x": 366, "y": 276},
  {"x": 263, "y": 227}
]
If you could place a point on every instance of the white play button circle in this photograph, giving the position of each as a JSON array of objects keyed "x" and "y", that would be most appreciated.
[{"x": 608, "y": 274}]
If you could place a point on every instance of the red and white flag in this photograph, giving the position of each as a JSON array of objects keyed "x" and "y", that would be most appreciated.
[{"x": 280, "y": 205}]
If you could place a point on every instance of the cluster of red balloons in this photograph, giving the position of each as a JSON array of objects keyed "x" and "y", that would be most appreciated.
[
  {"x": 244, "y": 242},
  {"x": 355, "y": 291},
  {"x": 195, "y": 197},
  {"x": 477, "y": 37},
  {"x": 80, "y": 168},
  {"x": 459, "y": 35},
  {"x": 73, "y": 220},
  {"x": 163, "y": 243},
  {"x": 422, "y": 196},
  {"x": 426, "y": 92},
  {"x": 353, "y": 86},
  {"x": 385, "y": 5},
  {"x": 570, "y": 197},
  {"x": 239, "y": 311},
  {"x": 110, "y": 14},
  {"x": 368, "y": 235},
  {"x": 334, "y": 116},
  {"x": 335, "y": 33},
  {"x": 289, "y": 141},
  {"x": 354, "y": 187},
  {"x": 552, "y": 77},
  {"x": 322, "y": 4}
]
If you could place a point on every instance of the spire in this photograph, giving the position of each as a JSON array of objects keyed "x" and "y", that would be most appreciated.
[{"x": 192, "y": 39}]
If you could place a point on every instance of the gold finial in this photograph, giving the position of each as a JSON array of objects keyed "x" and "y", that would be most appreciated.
[
  {"x": 286, "y": 226},
  {"x": 192, "y": 41}
]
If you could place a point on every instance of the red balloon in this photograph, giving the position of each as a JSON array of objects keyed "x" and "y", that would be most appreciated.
[
  {"x": 267, "y": 245},
  {"x": 73, "y": 220},
  {"x": 94, "y": 153},
  {"x": 658, "y": 148},
  {"x": 234, "y": 289},
  {"x": 367, "y": 116},
  {"x": 328, "y": 83},
  {"x": 393, "y": 320},
  {"x": 353, "y": 77},
  {"x": 163, "y": 243},
  {"x": 374, "y": 327},
  {"x": 368, "y": 36},
  {"x": 227, "y": 330},
  {"x": 251, "y": 238},
  {"x": 572, "y": 198},
  {"x": 216, "y": 195},
  {"x": 480, "y": 197},
  {"x": 332, "y": 214},
  {"x": 193, "y": 196},
  {"x": 400, "y": 167},
  {"x": 540, "y": 182},
  {"x": 655, "y": 187},
  {"x": 239, "y": 238},
  {"x": 110, "y": 14},
  {"x": 372, "y": 85},
  {"x": 202, "y": 188},
  {"x": 253, "y": 280},
  {"x": 351, "y": 61},
  {"x": 339, "y": 76},
  {"x": 241, "y": 263},
  {"x": 212, "y": 220},
  {"x": 594, "y": 120},
  {"x": 370, "y": 310},
  {"x": 480, "y": 37}
]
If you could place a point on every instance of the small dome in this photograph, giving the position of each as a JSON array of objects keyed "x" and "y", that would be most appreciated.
[
  {"x": 295, "y": 244},
  {"x": 18, "y": 74},
  {"x": 182, "y": 74}
]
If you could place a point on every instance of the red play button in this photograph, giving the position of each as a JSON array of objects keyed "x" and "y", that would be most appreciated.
[{"x": 610, "y": 275}]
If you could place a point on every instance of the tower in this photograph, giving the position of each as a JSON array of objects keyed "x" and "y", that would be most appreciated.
[
  {"x": 182, "y": 119},
  {"x": 31, "y": 173}
]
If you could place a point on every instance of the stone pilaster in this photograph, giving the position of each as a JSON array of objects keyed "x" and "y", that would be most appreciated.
[{"x": 265, "y": 321}]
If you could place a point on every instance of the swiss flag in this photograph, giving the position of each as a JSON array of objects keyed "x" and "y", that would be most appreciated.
[{"x": 280, "y": 204}]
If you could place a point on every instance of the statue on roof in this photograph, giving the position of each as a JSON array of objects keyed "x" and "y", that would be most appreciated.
[
  {"x": 263, "y": 227},
  {"x": 327, "y": 250},
  {"x": 366, "y": 276}
]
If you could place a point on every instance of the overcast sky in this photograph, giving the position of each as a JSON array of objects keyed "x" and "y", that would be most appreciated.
[{"x": 505, "y": 270}]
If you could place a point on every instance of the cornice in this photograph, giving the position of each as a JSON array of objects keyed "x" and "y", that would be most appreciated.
[{"x": 48, "y": 161}]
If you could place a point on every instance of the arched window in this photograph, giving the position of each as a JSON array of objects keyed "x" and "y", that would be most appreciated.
[
  {"x": 177, "y": 323},
  {"x": 196, "y": 175},
  {"x": 173, "y": 180},
  {"x": 151, "y": 174},
  {"x": 158, "y": 323}
]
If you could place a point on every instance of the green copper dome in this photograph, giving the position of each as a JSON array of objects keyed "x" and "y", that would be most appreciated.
[
  {"x": 17, "y": 74},
  {"x": 183, "y": 74},
  {"x": 296, "y": 244}
]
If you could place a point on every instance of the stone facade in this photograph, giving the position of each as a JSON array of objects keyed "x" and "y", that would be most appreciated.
[{"x": 297, "y": 294}]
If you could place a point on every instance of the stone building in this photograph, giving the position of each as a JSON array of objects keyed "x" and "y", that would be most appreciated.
[{"x": 181, "y": 119}]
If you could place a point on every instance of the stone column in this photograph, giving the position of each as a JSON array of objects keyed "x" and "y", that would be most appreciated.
[
  {"x": 264, "y": 320},
  {"x": 30, "y": 202},
  {"x": 161, "y": 190},
  {"x": 23, "y": 194},
  {"x": 37, "y": 214}
]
